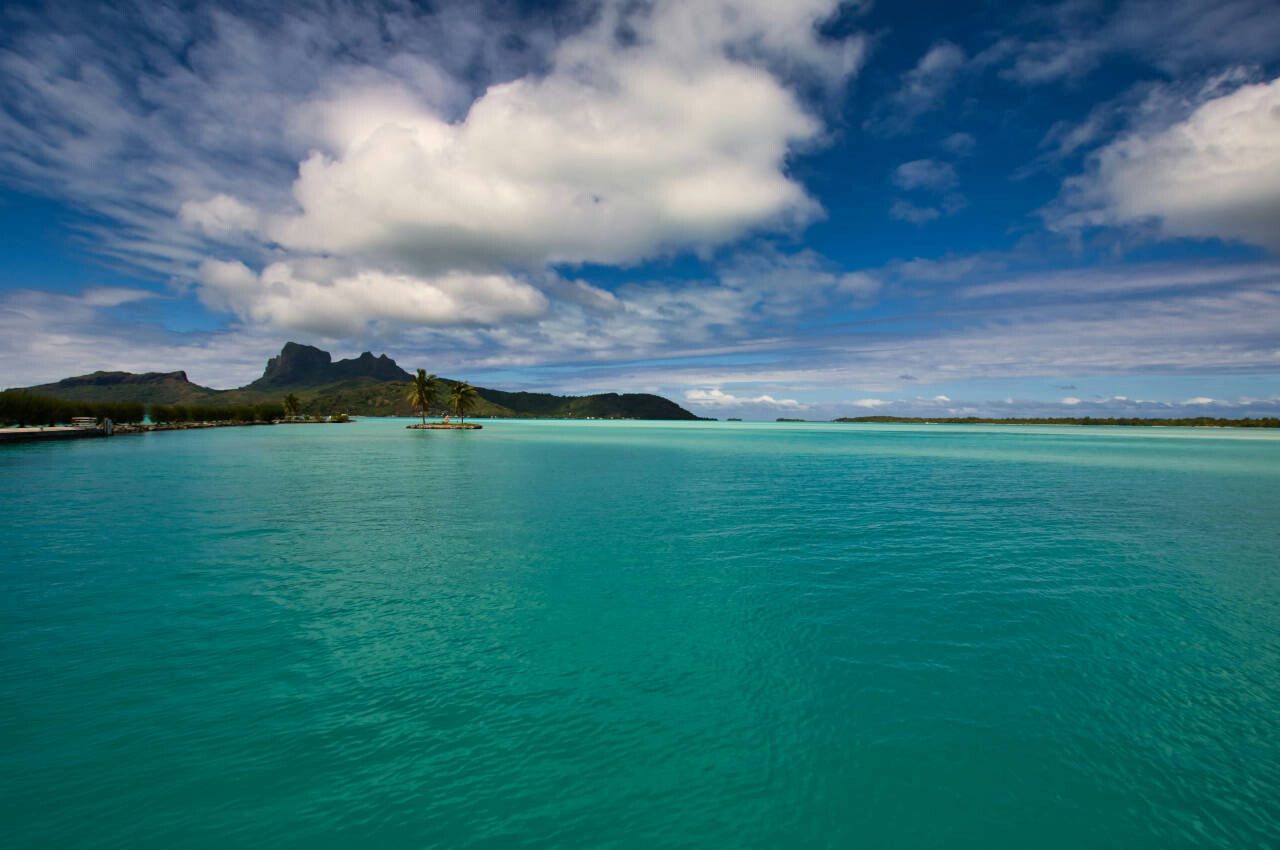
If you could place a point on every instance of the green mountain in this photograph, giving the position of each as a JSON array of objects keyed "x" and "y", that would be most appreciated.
[
  {"x": 362, "y": 386},
  {"x": 148, "y": 388}
]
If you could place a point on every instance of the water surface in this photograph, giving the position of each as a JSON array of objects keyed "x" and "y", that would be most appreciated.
[{"x": 642, "y": 635}]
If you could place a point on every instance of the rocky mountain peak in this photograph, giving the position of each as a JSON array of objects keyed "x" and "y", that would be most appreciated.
[{"x": 306, "y": 365}]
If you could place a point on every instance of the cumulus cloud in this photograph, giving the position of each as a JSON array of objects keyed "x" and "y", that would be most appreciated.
[
  {"x": 439, "y": 159},
  {"x": 645, "y": 158},
  {"x": 220, "y": 216},
  {"x": 1214, "y": 174},
  {"x": 674, "y": 140},
  {"x": 316, "y": 298}
]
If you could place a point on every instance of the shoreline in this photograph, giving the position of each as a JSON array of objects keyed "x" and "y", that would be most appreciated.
[{"x": 38, "y": 433}]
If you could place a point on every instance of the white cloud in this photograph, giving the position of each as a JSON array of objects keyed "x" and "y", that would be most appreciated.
[
  {"x": 925, "y": 174},
  {"x": 414, "y": 153},
  {"x": 1214, "y": 174},
  {"x": 907, "y": 211},
  {"x": 114, "y": 296},
  {"x": 921, "y": 89},
  {"x": 638, "y": 158},
  {"x": 788, "y": 284},
  {"x": 718, "y": 398},
  {"x": 48, "y": 336},
  {"x": 1052, "y": 60},
  {"x": 1066, "y": 408},
  {"x": 1090, "y": 322},
  {"x": 318, "y": 298},
  {"x": 706, "y": 334},
  {"x": 220, "y": 216},
  {"x": 948, "y": 269},
  {"x": 860, "y": 285},
  {"x": 617, "y": 154}
]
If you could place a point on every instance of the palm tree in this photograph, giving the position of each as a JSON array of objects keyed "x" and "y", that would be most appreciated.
[
  {"x": 462, "y": 398},
  {"x": 422, "y": 392},
  {"x": 291, "y": 405}
]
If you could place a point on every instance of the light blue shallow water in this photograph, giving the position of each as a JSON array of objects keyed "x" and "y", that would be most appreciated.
[{"x": 642, "y": 635}]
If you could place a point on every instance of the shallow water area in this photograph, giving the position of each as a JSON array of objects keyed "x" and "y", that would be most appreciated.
[{"x": 642, "y": 634}]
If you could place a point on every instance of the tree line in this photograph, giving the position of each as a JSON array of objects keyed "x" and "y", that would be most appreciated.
[
  {"x": 18, "y": 407},
  {"x": 175, "y": 414}
]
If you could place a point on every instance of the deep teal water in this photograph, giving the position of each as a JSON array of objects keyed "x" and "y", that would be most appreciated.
[{"x": 642, "y": 635}]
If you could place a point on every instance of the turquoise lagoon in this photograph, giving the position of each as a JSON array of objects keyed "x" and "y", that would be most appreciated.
[{"x": 613, "y": 634}]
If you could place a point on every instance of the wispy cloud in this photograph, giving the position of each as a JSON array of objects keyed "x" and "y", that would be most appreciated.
[
  {"x": 922, "y": 89},
  {"x": 768, "y": 322},
  {"x": 718, "y": 398}
]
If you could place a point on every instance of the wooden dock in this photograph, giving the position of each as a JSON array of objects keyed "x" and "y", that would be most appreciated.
[{"x": 56, "y": 432}]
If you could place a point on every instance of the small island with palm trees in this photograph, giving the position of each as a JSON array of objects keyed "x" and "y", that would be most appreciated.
[{"x": 424, "y": 393}]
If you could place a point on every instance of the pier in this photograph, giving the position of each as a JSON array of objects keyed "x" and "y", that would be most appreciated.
[{"x": 54, "y": 432}]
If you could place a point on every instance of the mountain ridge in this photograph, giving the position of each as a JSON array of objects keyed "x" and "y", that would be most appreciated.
[
  {"x": 367, "y": 385},
  {"x": 307, "y": 365}
]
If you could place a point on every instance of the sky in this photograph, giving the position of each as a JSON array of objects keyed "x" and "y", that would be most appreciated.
[{"x": 758, "y": 209}]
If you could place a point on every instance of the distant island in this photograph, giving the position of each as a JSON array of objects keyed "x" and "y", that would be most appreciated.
[
  {"x": 1197, "y": 421},
  {"x": 360, "y": 386}
]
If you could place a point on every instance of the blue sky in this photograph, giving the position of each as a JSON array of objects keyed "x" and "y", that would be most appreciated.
[{"x": 758, "y": 209}]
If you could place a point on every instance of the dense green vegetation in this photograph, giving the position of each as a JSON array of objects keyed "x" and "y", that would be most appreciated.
[
  {"x": 598, "y": 406},
  {"x": 179, "y": 413},
  {"x": 18, "y": 407},
  {"x": 1196, "y": 421}
]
